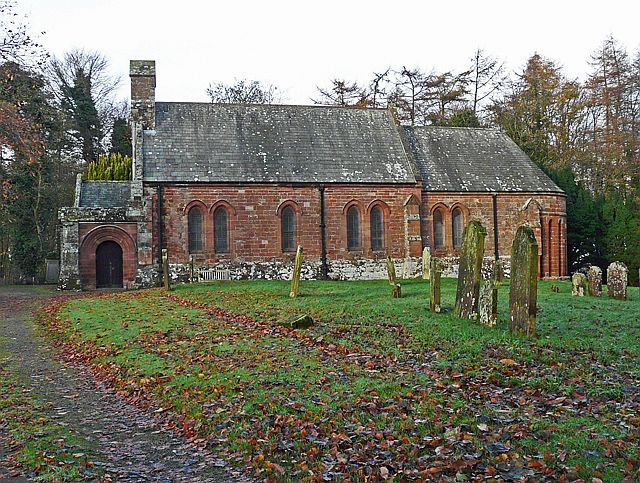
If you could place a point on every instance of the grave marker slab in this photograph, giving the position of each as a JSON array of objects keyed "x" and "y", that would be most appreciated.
[
  {"x": 523, "y": 292},
  {"x": 470, "y": 270}
]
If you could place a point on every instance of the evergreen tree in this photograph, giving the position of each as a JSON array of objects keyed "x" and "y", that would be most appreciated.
[{"x": 120, "y": 137}]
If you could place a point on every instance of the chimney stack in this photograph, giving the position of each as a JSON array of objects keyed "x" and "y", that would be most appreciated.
[{"x": 143, "y": 92}]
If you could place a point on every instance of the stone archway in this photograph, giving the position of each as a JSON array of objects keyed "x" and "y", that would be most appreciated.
[{"x": 92, "y": 246}]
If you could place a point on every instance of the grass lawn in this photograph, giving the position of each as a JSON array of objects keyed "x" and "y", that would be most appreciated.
[{"x": 379, "y": 387}]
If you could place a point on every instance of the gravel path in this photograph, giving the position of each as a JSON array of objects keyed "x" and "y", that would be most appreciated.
[{"x": 130, "y": 442}]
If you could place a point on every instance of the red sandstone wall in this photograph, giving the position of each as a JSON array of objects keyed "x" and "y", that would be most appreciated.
[
  {"x": 254, "y": 218},
  {"x": 543, "y": 211}
]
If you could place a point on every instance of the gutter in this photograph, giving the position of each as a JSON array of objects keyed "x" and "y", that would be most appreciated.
[
  {"x": 496, "y": 251},
  {"x": 160, "y": 209},
  {"x": 324, "y": 269}
]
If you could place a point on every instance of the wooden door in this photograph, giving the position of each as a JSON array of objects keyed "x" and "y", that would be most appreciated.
[{"x": 108, "y": 265}]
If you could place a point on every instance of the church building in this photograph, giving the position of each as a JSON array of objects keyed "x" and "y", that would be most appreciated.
[{"x": 236, "y": 188}]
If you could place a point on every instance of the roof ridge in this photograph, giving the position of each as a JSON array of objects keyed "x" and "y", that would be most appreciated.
[
  {"x": 461, "y": 128},
  {"x": 240, "y": 104}
]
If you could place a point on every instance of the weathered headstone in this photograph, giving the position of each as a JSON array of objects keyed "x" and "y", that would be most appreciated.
[
  {"x": 396, "y": 291},
  {"x": 617, "y": 276},
  {"x": 297, "y": 268},
  {"x": 165, "y": 269},
  {"x": 523, "y": 292},
  {"x": 486, "y": 302},
  {"x": 579, "y": 284},
  {"x": 594, "y": 281},
  {"x": 426, "y": 263},
  {"x": 470, "y": 270},
  {"x": 435, "y": 270}
]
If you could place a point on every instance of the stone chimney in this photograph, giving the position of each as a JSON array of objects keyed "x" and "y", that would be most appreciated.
[{"x": 143, "y": 92}]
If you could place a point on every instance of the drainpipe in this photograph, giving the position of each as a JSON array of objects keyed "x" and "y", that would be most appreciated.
[
  {"x": 324, "y": 269},
  {"x": 495, "y": 226},
  {"x": 159, "y": 208}
]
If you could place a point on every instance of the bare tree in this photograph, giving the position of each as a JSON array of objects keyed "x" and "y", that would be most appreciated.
[
  {"x": 487, "y": 77},
  {"x": 16, "y": 45},
  {"x": 244, "y": 91},
  {"x": 378, "y": 88},
  {"x": 342, "y": 93}
]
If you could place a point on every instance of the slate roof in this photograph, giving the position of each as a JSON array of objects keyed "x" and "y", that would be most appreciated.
[
  {"x": 274, "y": 143},
  {"x": 105, "y": 194},
  {"x": 469, "y": 159}
]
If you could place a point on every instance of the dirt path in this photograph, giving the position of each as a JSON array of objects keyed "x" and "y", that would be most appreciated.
[{"x": 130, "y": 442}]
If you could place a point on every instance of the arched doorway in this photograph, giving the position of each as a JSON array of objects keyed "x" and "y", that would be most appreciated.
[{"x": 108, "y": 265}]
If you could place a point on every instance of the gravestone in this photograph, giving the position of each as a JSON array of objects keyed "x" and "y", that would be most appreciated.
[
  {"x": 555, "y": 288},
  {"x": 470, "y": 270},
  {"x": 594, "y": 281},
  {"x": 393, "y": 281},
  {"x": 426, "y": 263},
  {"x": 617, "y": 276},
  {"x": 435, "y": 270},
  {"x": 523, "y": 292},
  {"x": 486, "y": 303},
  {"x": 165, "y": 268},
  {"x": 579, "y": 284},
  {"x": 297, "y": 268}
]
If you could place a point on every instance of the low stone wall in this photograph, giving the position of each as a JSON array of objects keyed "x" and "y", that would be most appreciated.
[
  {"x": 282, "y": 270},
  {"x": 450, "y": 266}
]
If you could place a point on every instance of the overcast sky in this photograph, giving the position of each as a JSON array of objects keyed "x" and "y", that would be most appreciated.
[{"x": 299, "y": 44}]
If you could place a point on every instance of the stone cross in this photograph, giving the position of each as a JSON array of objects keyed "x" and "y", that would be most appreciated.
[
  {"x": 486, "y": 304},
  {"x": 594, "y": 281},
  {"x": 426, "y": 263},
  {"x": 435, "y": 270},
  {"x": 523, "y": 292},
  {"x": 396, "y": 291},
  {"x": 297, "y": 268},
  {"x": 191, "y": 269},
  {"x": 578, "y": 284},
  {"x": 165, "y": 268},
  {"x": 617, "y": 276},
  {"x": 470, "y": 271}
]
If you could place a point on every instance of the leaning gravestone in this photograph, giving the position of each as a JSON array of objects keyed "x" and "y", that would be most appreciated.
[
  {"x": 594, "y": 281},
  {"x": 579, "y": 284},
  {"x": 396, "y": 291},
  {"x": 426, "y": 263},
  {"x": 470, "y": 270},
  {"x": 486, "y": 304},
  {"x": 523, "y": 293},
  {"x": 617, "y": 276},
  {"x": 297, "y": 268},
  {"x": 435, "y": 270}
]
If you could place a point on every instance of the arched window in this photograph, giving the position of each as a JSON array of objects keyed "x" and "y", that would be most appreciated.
[
  {"x": 220, "y": 230},
  {"x": 438, "y": 229},
  {"x": 458, "y": 226},
  {"x": 288, "y": 229},
  {"x": 195, "y": 230},
  {"x": 353, "y": 228},
  {"x": 377, "y": 240}
]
